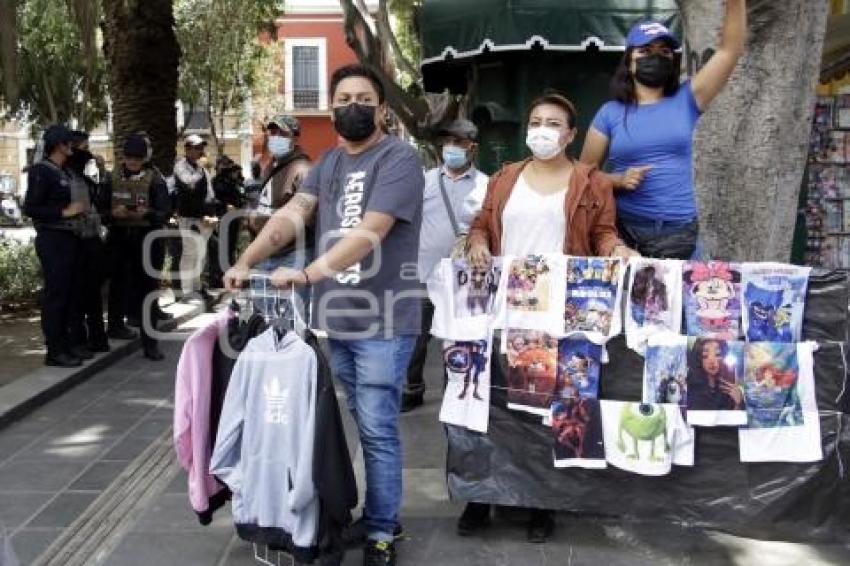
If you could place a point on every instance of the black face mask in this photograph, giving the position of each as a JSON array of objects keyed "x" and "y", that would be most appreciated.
[
  {"x": 78, "y": 160},
  {"x": 355, "y": 122},
  {"x": 655, "y": 70}
]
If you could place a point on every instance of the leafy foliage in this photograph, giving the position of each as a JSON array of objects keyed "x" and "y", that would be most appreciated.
[
  {"x": 221, "y": 52},
  {"x": 60, "y": 76},
  {"x": 20, "y": 272}
]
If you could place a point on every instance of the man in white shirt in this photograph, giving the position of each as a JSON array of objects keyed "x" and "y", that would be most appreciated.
[
  {"x": 195, "y": 208},
  {"x": 453, "y": 196}
]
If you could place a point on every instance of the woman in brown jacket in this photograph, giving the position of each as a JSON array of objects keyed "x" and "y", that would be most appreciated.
[{"x": 548, "y": 203}]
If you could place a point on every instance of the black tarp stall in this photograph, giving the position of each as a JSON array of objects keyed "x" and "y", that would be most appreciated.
[{"x": 512, "y": 464}]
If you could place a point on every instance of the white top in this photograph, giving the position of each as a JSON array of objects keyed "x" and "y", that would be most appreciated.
[{"x": 533, "y": 223}]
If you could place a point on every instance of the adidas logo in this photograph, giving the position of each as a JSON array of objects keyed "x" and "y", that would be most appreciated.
[{"x": 276, "y": 402}]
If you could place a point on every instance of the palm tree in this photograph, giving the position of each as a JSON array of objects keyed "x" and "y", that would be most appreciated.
[{"x": 143, "y": 55}]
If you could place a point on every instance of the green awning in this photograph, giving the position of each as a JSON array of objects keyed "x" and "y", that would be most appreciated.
[{"x": 465, "y": 28}]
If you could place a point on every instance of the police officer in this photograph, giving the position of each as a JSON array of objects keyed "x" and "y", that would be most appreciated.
[
  {"x": 195, "y": 202},
  {"x": 87, "y": 332},
  {"x": 140, "y": 204},
  {"x": 54, "y": 213}
]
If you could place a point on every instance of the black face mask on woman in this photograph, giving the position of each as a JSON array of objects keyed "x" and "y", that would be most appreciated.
[
  {"x": 355, "y": 122},
  {"x": 654, "y": 70},
  {"x": 79, "y": 159}
]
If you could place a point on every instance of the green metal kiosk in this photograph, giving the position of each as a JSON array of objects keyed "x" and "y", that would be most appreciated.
[{"x": 504, "y": 53}]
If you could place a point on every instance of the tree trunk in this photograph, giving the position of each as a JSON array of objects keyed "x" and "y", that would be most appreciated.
[
  {"x": 142, "y": 57},
  {"x": 8, "y": 50},
  {"x": 750, "y": 148}
]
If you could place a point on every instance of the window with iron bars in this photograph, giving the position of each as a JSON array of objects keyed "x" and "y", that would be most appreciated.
[{"x": 305, "y": 77}]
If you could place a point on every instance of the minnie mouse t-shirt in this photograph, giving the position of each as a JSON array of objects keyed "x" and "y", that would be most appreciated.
[{"x": 712, "y": 297}]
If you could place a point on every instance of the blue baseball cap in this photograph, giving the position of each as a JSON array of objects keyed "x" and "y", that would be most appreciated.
[{"x": 644, "y": 33}]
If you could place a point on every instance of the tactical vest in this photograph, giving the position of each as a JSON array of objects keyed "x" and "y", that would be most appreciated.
[
  {"x": 131, "y": 192},
  {"x": 191, "y": 199}
]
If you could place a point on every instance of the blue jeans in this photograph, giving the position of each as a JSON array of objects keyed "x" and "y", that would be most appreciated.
[
  {"x": 267, "y": 266},
  {"x": 372, "y": 372},
  {"x": 661, "y": 238}
]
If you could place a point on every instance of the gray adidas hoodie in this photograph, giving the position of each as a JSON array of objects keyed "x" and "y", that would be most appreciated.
[{"x": 264, "y": 446}]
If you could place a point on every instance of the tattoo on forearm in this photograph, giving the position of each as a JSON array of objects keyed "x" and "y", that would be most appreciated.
[{"x": 303, "y": 203}]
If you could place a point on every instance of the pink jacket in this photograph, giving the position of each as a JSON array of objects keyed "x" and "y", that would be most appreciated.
[{"x": 192, "y": 411}]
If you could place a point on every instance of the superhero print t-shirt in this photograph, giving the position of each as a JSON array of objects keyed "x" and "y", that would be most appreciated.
[{"x": 774, "y": 300}]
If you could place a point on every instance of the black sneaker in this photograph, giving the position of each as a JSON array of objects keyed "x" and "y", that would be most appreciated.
[
  {"x": 81, "y": 352},
  {"x": 541, "y": 525},
  {"x": 410, "y": 401},
  {"x": 356, "y": 535},
  {"x": 122, "y": 333},
  {"x": 379, "y": 554},
  {"x": 475, "y": 517},
  {"x": 62, "y": 360}
]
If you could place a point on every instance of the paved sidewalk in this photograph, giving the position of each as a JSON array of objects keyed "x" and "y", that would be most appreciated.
[{"x": 58, "y": 462}]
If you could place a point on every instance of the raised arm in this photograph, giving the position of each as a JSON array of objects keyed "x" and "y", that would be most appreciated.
[{"x": 714, "y": 75}]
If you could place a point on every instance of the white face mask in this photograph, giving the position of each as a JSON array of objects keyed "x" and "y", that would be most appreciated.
[
  {"x": 280, "y": 146},
  {"x": 544, "y": 142}
]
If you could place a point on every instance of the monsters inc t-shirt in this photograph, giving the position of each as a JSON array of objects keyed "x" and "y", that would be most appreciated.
[
  {"x": 646, "y": 438},
  {"x": 377, "y": 296}
]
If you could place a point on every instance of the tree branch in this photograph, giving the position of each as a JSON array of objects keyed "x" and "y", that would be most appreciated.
[
  {"x": 382, "y": 21},
  {"x": 415, "y": 113}
]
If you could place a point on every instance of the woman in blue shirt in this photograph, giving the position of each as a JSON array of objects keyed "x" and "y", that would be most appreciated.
[{"x": 647, "y": 133}]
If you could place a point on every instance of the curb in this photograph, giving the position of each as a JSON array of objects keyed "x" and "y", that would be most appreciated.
[{"x": 28, "y": 393}]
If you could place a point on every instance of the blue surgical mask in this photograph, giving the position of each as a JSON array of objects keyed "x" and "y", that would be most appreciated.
[
  {"x": 454, "y": 157},
  {"x": 280, "y": 146}
]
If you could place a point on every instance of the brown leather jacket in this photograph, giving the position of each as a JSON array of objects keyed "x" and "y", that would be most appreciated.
[{"x": 589, "y": 207}]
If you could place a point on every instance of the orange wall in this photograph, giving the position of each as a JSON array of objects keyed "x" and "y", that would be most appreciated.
[
  {"x": 317, "y": 135},
  {"x": 317, "y": 132}
]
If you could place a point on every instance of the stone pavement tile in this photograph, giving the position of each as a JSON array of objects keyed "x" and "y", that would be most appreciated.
[
  {"x": 17, "y": 508},
  {"x": 170, "y": 512},
  {"x": 773, "y": 553},
  {"x": 74, "y": 445},
  {"x": 113, "y": 425},
  {"x": 178, "y": 484},
  {"x": 170, "y": 549},
  {"x": 99, "y": 476},
  {"x": 12, "y": 443},
  {"x": 37, "y": 422},
  {"x": 28, "y": 544},
  {"x": 112, "y": 406},
  {"x": 422, "y": 439},
  {"x": 426, "y": 495},
  {"x": 151, "y": 427},
  {"x": 241, "y": 553},
  {"x": 39, "y": 476},
  {"x": 128, "y": 448},
  {"x": 63, "y": 510}
]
